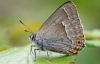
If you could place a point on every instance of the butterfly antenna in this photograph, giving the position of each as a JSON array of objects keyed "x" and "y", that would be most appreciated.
[{"x": 26, "y": 26}]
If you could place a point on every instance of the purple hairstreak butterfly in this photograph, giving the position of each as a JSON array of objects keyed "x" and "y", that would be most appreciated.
[{"x": 62, "y": 32}]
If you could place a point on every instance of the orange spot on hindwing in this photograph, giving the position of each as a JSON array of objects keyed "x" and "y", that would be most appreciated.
[
  {"x": 75, "y": 52},
  {"x": 78, "y": 42}
]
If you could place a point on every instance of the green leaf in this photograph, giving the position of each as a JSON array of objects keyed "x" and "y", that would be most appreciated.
[
  {"x": 93, "y": 43},
  {"x": 22, "y": 55},
  {"x": 93, "y": 38},
  {"x": 92, "y": 35}
]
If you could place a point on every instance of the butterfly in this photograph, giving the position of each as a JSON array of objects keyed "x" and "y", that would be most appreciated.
[{"x": 62, "y": 32}]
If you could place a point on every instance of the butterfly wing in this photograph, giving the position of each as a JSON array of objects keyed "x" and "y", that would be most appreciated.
[{"x": 61, "y": 31}]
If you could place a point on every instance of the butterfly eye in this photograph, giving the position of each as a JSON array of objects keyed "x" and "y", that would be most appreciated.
[
  {"x": 78, "y": 42},
  {"x": 32, "y": 37}
]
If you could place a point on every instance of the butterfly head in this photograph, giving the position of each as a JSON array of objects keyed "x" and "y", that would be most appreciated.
[{"x": 32, "y": 37}]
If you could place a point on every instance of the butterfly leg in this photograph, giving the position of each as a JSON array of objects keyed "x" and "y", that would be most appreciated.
[
  {"x": 31, "y": 49},
  {"x": 48, "y": 54},
  {"x": 35, "y": 53}
]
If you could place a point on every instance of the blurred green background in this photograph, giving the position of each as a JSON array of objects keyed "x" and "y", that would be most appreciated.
[{"x": 34, "y": 12}]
